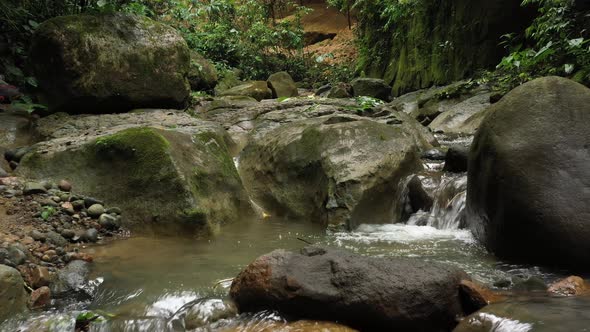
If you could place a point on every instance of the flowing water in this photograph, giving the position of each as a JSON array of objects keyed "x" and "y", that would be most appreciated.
[{"x": 143, "y": 282}]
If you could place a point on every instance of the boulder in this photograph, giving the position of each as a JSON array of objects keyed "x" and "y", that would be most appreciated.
[
  {"x": 109, "y": 63},
  {"x": 202, "y": 75},
  {"x": 570, "y": 286},
  {"x": 371, "y": 87},
  {"x": 464, "y": 117},
  {"x": 174, "y": 180},
  {"x": 337, "y": 169},
  {"x": 13, "y": 297},
  {"x": 529, "y": 182},
  {"x": 256, "y": 89},
  {"x": 368, "y": 293},
  {"x": 282, "y": 85}
]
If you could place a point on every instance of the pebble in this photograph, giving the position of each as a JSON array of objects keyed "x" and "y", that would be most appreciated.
[
  {"x": 68, "y": 233},
  {"x": 89, "y": 201},
  {"x": 91, "y": 235},
  {"x": 55, "y": 238},
  {"x": 109, "y": 222},
  {"x": 95, "y": 210},
  {"x": 37, "y": 236},
  {"x": 41, "y": 297},
  {"x": 16, "y": 255},
  {"x": 78, "y": 205},
  {"x": 64, "y": 185},
  {"x": 114, "y": 210},
  {"x": 32, "y": 188}
]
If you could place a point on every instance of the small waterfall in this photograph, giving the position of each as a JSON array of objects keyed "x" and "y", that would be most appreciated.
[{"x": 450, "y": 195}]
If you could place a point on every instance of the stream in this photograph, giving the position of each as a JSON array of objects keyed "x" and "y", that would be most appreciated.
[{"x": 142, "y": 282}]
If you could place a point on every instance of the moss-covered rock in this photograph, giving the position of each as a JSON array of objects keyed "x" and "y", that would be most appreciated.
[
  {"x": 436, "y": 41},
  {"x": 165, "y": 178},
  {"x": 202, "y": 75},
  {"x": 334, "y": 169},
  {"x": 110, "y": 63},
  {"x": 282, "y": 85},
  {"x": 13, "y": 297}
]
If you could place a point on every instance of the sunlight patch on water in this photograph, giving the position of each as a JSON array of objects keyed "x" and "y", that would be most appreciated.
[{"x": 401, "y": 233}]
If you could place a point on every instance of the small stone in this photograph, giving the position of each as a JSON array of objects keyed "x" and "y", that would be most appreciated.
[
  {"x": 64, "y": 185},
  {"x": 114, "y": 210},
  {"x": 68, "y": 234},
  {"x": 55, "y": 238},
  {"x": 68, "y": 207},
  {"x": 78, "y": 205},
  {"x": 91, "y": 235},
  {"x": 3, "y": 173},
  {"x": 570, "y": 286},
  {"x": 46, "y": 258},
  {"x": 37, "y": 236},
  {"x": 95, "y": 210},
  {"x": 40, "y": 297},
  {"x": 108, "y": 222},
  {"x": 48, "y": 202},
  {"x": 13, "y": 165},
  {"x": 48, "y": 184},
  {"x": 89, "y": 201},
  {"x": 37, "y": 276},
  {"x": 32, "y": 188},
  {"x": 56, "y": 199},
  {"x": 16, "y": 255}
]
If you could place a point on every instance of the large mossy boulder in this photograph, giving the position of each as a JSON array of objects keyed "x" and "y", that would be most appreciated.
[
  {"x": 528, "y": 192},
  {"x": 167, "y": 179},
  {"x": 13, "y": 297},
  {"x": 202, "y": 75},
  {"x": 337, "y": 169},
  {"x": 368, "y": 293},
  {"x": 436, "y": 42},
  {"x": 110, "y": 63}
]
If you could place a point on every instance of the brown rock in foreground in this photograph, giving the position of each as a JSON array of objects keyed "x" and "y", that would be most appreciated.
[{"x": 368, "y": 293}]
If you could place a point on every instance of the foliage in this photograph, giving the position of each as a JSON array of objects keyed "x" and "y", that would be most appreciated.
[
  {"x": 47, "y": 212},
  {"x": 556, "y": 43}
]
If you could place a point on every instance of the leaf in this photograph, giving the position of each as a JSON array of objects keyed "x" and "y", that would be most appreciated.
[
  {"x": 101, "y": 3},
  {"x": 575, "y": 42},
  {"x": 32, "y": 81},
  {"x": 568, "y": 68}
]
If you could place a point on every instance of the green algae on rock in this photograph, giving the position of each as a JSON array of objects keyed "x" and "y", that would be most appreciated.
[{"x": 109, "y": 63}]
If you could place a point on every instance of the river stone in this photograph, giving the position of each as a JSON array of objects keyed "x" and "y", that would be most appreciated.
[
  {"x": 371, "y": 87},
  {"x": 464, "y": 117},
  {"x": 16, "y": 255},
  {"x": 108, "y": 222},
  {"x": 55, "y": 238},
  {"x": 72, "y": 278},
  {"x": 90, "y": 235},
  {"x": 340, "y": 90},
  {"x": 13, "y": 297},
  {"x": 256, "y": 89},
  {"x": 368, "y": 293},
  {"x": 89, "y": 201},
  {"x": 171, "y": 180},
  {"x": 95, "y": 210},
  {"x": 109, "y": 62},
  {"x": 3, "y": 173},
  {"x": 334, "y": 169},
  {"x": 282, "y": 85},
  {"x": 529, "y": 181},
  {"x": 32, "y": 188}
]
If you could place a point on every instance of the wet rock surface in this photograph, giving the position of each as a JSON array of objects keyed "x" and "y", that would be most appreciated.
[
  {"x": 369, "y": 293},
  {"x": 529, "y": 180}
]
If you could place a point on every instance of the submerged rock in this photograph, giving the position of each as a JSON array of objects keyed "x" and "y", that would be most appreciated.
[
  {"x": 529, "y": 180},
  {"x": 174, "y": 181},
  {"x": 110, "y": 63},
  {"x": 13, "y": 297},
  {"x": 369, "y": 293}
]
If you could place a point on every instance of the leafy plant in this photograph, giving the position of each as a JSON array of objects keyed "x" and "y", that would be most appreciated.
[
  {"x": 556, "y": 43},
  {"x": 47, "y": 212}
]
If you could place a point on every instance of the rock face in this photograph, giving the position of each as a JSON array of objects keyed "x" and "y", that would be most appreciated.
[
  {"x": 437, "y": 42},
  {"x": 338, "y": 169},
  {"x": 13, "y": 298},
  {"x": 110, "y": 63},
  {"x": 183, "y": 177},
  {"x": 529, "y": 180},
  {"x": 368, "y": 293},
  {"x": 202, "y": 74},
  {"x": 282, "y": 85}
]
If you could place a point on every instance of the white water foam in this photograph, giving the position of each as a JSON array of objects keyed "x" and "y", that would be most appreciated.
[
  {"x": 500, "y": 324},
  {"x": 401, "y": 233}
]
